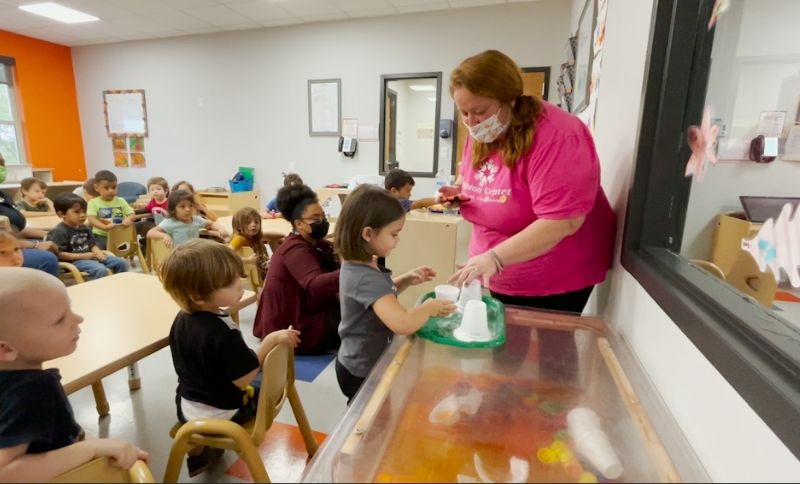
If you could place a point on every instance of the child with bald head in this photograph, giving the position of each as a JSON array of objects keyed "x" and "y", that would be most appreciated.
[{"x": 39, "y": 438}]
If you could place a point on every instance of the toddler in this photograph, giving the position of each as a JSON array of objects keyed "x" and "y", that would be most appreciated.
[
  {"x": 368, "y": 228},
  {"x": 34, "y": 197},
  {"x": 247, "y": 233},
  {"x": 107, "y": 209},
  {"x": 39, "y": 438},
  {"x": 400, "y": 184},
  {"x": 289, "y": 180},
  {"x": 10, "y": 249},
  {"x": 202, "y": 209},
  {"x": 183, "y": 224}
]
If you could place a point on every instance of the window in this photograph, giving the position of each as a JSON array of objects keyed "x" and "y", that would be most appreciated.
[
  {"x": 746, "y": 64},
  {"x": 12, "y": 145}
]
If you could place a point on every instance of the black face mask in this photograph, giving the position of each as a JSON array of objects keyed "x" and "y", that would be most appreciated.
[{"x": 319, "y": 230}]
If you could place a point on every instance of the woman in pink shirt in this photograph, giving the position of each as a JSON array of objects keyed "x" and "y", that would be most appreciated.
[{"x": 543, "y": 229}]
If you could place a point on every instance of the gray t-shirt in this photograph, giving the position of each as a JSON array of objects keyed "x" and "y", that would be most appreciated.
[
  {"x": 181, "y": 232},
  {"x": 364, "y": 336}
]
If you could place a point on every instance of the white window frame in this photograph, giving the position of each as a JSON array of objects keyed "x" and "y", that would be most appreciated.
[{"x": 8, "y": 64}]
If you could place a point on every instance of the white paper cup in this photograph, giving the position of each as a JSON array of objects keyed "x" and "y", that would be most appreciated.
[
  {"x": 446, "y": 292},
  {"x": 469, "y": 292},
  {"x": 592, "y": 443},
  {"x": 474, "y": 323}
]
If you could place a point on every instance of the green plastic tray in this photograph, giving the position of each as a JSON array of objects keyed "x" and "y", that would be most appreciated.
[{"x": 440, "y": 330}]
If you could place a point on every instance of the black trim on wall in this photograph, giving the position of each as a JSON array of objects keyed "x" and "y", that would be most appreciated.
[{"x": 757, "y": 352}]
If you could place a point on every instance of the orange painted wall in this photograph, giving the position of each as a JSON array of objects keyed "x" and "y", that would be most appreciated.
[{"x": 46, "y": 84}]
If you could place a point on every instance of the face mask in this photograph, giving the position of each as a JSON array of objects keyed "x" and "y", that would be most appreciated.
[
  {"x": 2, "y": 174},
  {"x": 320, "y": 229},
  {"x": 487, "y": 130}
]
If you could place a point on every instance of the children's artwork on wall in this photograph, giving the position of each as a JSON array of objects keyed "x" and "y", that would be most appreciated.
[
  {"x": 138, "y": 160},
  {"x": 121, "y": 159},
  {"x": 118, "y": 143},
  {"x": 136, "y": 144},
  {"x": 703, "y": 142}
]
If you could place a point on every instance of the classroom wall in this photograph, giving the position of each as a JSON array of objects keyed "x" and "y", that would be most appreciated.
[
  {"x": 49, "y": 104},
  {"x": 215, "y": 102},
  {"x": 730, "y": 440}
]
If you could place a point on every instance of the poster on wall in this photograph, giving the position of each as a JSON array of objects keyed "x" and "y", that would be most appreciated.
[
  {"x": 138, "y": 160},
  {"x": 136, "y": 144},
  {"x": 125, "y": 112},
  {"x": 121, "y": 159},
  {"x": 583, "y": 57}
]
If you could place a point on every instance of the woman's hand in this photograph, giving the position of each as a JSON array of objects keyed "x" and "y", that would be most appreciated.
[
  {"x": 482, "y": 265},
  {"x": 419, "y": 275}
]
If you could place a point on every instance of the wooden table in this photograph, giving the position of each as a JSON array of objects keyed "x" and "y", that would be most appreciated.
[
  {"x": 117, "y": 330},
  {"x": 43, "y": 222}
]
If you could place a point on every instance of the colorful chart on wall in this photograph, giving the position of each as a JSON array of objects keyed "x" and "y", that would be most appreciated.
[
  {"x": 125, "y": 112},
  {"x": 138, "y": 160},
  {"x": 121, "y": 159},
  {"x": 136, "y": 144},
  {"x": 118, "y": 143}
]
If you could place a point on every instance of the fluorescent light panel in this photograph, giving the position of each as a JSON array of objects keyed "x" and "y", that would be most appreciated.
[
  {"x": 421, "y": 87},
  {"x": 58, "y": 12}
]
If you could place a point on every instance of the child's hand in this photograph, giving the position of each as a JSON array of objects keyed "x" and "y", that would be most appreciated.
[
  {"x": 420, "y": 275},
  {"x": 289, "y": 336},
  {"x": 167, "y": 241},
  {"x": 100, "y": 256},
  {"x": 126, "y": 222},
  {"x": 48, "y": 245},
  {"x": 123, "y": 454},
  {"x": 439, "y": 307},
  {"x": 250, "y": 259}
]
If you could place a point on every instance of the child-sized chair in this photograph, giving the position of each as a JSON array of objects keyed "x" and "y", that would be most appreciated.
[
  {"x": 251, "y": 269},
  {"x": 156, "y": 253},
  {"x": 123, "y": 242},
  {"x": 102, "y": 470},
  {"x": 277, "y": 385}
]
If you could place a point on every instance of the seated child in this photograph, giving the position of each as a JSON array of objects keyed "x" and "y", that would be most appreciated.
[
  {"x": 400, "y": 184},
  {"x": 368, "y": 228},
  {"x": 39, "y": 438},
  {"x": 34, "y": 197},
  {"x": 158, "y": 189},
  {"x": 272, "y": 211},
  {"x": 87, "y": 190},
  {"x": 247, "y": 233},
  {"x": 183, "y": 224},
  {"x": 10, "y": 249},
  {"x": 213, "y": 363},
  {"x": 202, "y": 209},
  {"x": 76, "y": 243},
  {"x": 107, "y": 210}
]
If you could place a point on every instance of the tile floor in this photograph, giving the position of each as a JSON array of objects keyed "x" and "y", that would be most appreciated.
[{"x": 145, "y": 416}]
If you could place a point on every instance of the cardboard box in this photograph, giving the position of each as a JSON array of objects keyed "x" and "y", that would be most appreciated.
[{"x": 726, "y": 243}]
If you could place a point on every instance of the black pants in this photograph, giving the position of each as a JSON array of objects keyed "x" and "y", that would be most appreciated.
[
  {"x": 348, "y": 383},
  {"x": 558, "y": 355}
]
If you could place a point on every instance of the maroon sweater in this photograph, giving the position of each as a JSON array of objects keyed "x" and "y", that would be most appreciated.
[{"x": 301, "y": 287}]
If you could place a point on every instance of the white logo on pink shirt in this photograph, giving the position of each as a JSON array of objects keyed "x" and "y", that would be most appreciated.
[{"x": 486, "y": 173}]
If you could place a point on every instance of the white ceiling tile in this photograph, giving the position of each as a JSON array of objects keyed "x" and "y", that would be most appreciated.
[
  {"x": 103, "y": 9},
  {"x": 307, "y": 8},
  {"x": 178, "y": 20},
  {"x": 379, "y": 12},
  {"x": 203, "y": 30},
  {"x": 279, "y": 22},
  {"x": 261, "y": 10},
  {"x": 423, "y": 7},
  {"x": 23, "y": 19},
  {"x": 473, "y": 3},
  {"x": 49, "y": 35},
  {"x": 188, "y": 4},
  {"x": 145, "y": 7},
  {"x": 403, "y": 3},
  {"x": 218, "y": 15},
  {"x": 349, "y": 5},
  {"x": 324, "y": 17},
  {"x": 242, "y": 26}
]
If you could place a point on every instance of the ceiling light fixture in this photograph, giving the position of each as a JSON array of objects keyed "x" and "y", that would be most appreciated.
[
  {"x": 58, "y": 12},
  {"x": 421, "y": 87}
]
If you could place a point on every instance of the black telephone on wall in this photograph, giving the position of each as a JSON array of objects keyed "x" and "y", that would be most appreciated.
[{"x": 348, "y": 146}]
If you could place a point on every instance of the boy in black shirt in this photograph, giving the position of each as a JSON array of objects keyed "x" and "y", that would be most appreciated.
[
  {"x": 214, "y": 365},
  {"x": 39, "y": 438},
  {"x": 76, "y": 242}
]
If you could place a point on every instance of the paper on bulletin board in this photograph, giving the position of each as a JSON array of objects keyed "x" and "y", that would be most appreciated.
[
  {"x": 367, "y": 132},
  {"x": 121, "y": 159},
  {"x": 349, "y": 128},
  {"x": 770, "y": 123}
]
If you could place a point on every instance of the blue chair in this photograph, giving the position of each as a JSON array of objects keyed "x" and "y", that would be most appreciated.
[{"x": 130, "y": 191}]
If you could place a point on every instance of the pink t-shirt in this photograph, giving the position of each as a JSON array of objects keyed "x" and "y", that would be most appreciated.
[
  {"x": 558, "y": 178},
  {"x": 156, "y": 207}
]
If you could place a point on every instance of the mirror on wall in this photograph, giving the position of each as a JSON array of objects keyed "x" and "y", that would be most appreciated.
[{"x": 409, "y": 123}]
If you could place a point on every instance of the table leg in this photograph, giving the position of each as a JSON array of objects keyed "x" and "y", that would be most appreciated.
[
  {"x": 100, "y": 398},
  {"x": 134, "y": 382}
]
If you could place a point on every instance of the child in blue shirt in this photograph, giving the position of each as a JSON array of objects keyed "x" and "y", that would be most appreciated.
[{"x": 183, "y": 223}]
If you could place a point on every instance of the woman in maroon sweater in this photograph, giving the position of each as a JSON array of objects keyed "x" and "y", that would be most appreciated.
[{"x": 302, "y": 286}]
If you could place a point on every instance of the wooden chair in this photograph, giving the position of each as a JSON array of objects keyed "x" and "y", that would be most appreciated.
[
  {"x": 251, "y": 269},
  {"x": 5, "y": 223},
  {"x": 156, "y": 253},
  {"x": 102, "y": 470},
  {"x": 276, "y": 387},
  {"x": 123, "y": 242},
  {"x": 745, "y": 276}
]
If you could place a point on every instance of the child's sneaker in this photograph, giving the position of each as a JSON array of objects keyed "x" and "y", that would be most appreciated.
[{"x": 199, "y": 463}]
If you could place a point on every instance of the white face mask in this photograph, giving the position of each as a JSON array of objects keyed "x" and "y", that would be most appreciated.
[{"x": 487, "y": 130}]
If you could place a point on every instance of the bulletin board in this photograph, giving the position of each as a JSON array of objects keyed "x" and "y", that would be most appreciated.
[{"x": 125, "y": 112}]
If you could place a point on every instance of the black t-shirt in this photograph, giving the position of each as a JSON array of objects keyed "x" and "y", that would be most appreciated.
[
  {"x": 209, "y": 353},
  {"x": 35, "y": 411},
  {"x": 14, "y": 216},
  {"x": 72, "y": 240}
]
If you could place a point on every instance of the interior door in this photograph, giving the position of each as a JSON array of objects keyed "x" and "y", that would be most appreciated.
[
  {"x": 391, "y": 123},
  {"x": 535, "y": 82}
]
